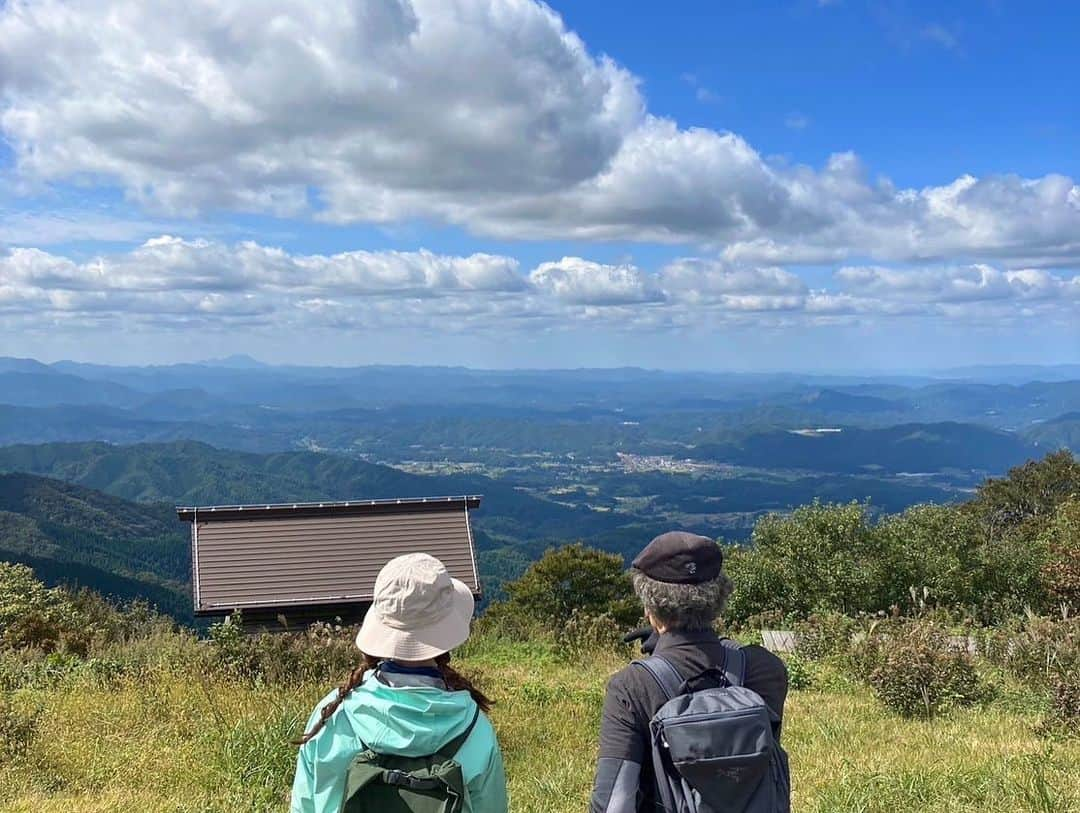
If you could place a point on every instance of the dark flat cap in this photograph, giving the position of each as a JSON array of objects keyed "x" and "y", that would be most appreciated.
[{"x": 678, "y": 557}]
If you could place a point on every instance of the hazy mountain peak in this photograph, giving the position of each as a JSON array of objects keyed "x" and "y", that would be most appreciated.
[{"x": 238, "y": 361}]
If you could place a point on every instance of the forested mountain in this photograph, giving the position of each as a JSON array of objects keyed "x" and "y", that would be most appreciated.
[
  {"x": 82, "y": 537},
  {"x": 1063, "y": 431},
  {"x": 193, "y": 473},
  {"x": 903, "y": 448}
]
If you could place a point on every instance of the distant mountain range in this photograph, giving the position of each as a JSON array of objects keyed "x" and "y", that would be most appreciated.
[
  {"x": 382, "y": 413},
  {"x": 609, "y": 456}
]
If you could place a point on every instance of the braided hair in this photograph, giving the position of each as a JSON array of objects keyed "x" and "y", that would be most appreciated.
[{"x": 454, "y": 680}]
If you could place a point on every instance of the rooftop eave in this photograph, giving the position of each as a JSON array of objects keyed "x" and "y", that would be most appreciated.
[{"x": 215, "y": 513}]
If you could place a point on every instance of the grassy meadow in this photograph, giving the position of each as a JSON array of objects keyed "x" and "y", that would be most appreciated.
[{"x": 160, "y": 725}]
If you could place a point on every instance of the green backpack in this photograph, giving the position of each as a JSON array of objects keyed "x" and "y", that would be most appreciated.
[{"x": 385, "y": 783}]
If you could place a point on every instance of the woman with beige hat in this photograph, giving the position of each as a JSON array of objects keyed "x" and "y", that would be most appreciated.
[{"x": 406, "y": 731}]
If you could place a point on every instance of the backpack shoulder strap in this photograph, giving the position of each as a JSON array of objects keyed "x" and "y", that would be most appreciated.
[
  {"x": 449, "y": 751},
  {"x": 734, "y": 662},
  {"x": 667, "y": 677}
]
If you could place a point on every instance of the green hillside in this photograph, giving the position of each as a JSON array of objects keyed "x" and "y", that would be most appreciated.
[
  {"x": 79, "y": 537},
  {"x": 912, "y": 447},
  {"x": 1063, "y": 431},
  {"x": 188, "y": 472}
]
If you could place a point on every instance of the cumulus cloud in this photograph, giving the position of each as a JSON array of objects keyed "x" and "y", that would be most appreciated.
[
  {"x": 210, "y": 282},
  {"x": 489, "y": 114},
  {"x": 582, "y": 282},
  {"x": 974, "y": 283},
  {"x": 170, "y": 281},
  {"x": 384, "y": 107}
]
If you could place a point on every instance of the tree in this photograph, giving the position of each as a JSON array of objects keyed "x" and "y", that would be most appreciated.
[
  {"x": 820, "y": 557},
  {"x": 1024, "y": 501},
  {"x": 1061, "y": 573},
  {"x": 571, "y": 578},
  {"x": 31, "y": 615},
  {"x": 935, "y": 547}
]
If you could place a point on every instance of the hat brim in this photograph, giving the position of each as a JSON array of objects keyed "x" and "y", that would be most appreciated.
[{"x": 423, "y": 643}]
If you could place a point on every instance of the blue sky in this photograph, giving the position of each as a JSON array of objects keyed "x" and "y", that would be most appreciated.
[{"x": 739, "y": 185}]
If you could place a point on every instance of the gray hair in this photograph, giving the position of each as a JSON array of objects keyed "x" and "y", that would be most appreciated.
[{"x": 688, "y": 607}]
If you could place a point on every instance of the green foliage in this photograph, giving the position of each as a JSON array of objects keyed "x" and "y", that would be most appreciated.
[
  {"x": 800, "y": 671},
  {"x": 932, "y": 547},
  {"x": 18, "y": 727},
  {"x": 1014, "y": 547},
  {"x": 1025, "y": 501},
  {"x": 30, "y": 614},
  {"x": 917, "y": 671},
  {"x": 1061, "y": 572},
  {"x": 571, "y": 578},
  {"x": 584, "y": 635},
  {"x": 818, "y": 557},
  {"x": 825, "y": 634},
  {"x": 320, "y": 652}
]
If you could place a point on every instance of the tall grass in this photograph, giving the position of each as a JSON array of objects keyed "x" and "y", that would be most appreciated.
[{"x": 162, "y": 725}]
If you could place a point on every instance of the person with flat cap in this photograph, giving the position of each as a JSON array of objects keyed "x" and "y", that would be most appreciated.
[{"x": 680, "y": 581}]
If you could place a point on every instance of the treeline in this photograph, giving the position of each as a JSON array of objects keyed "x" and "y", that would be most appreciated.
[{"x": 1013, "y": 548}]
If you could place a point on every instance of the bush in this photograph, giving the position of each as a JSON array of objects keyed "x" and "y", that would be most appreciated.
[
  {"x": 572, "y": 578},
  {"x": 1064, "y": 716},
  {"x": 1036, "y": 649},
  {"x": 915, "y": 671},
  {"x": 322, "y": 653},
  {"x": 825, "y": 634},
  {"x": 32, "y": 615},
  {"x": 1061, "y": 573},
  {"x": 818, "y": 556},
  {"x": 583, "y": 636},
  {"x": 17, "y": 730},
  {"x": 800, "y": 671}
]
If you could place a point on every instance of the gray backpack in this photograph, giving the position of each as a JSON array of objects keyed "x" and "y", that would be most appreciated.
[{"x": 713, "y": 749}]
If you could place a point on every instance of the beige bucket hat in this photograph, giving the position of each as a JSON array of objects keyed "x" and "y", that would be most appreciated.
[{"x": 418, "y": 612}]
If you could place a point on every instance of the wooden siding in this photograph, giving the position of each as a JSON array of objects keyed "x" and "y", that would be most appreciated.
[{"x": 301, "y": 560}]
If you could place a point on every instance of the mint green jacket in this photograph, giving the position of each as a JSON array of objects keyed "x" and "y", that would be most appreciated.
[{"x": 408, "y": 720}]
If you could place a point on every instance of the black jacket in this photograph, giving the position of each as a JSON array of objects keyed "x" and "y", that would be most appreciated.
[{"x": 624, "y": 775}]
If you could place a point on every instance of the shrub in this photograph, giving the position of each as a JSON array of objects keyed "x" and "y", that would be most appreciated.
[
  {"x": 571, "y": 578},
  {"x": 916, "y": 672},
  {"x": 1061, "y": 573},
  {"x": 825, "y": 634},
  {"x": 818, "y": 556},
  {"x": 233, "y": 652},
  {"x": 321, "y": 653},
  {"x": 800, "y": 671},
  {"x": 18, "y": 728},
  {"x": 31, "y": 615},
  {"x": 1064, "y": 716},
  {"x": 1036, "y": 649},
  {"x": 584, "y": 635}
]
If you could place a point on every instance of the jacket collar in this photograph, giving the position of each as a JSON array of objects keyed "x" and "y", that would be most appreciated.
[
  {"x": 397, "y": 676},
  {"x": 676, "y": 638}
]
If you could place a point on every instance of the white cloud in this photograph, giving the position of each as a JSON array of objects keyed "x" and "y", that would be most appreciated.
[
  {"x": 383, "y": 107},
  {"x": 169, "y": 274},
  {"x": 582, "y": 282},
  {"x": 484, "y": 113},
  {"x": 974, "y": 283},
  {"x": 173, "y": 282}
]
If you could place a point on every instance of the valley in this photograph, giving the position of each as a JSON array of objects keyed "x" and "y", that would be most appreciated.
[{"x": 606, "y": 456}]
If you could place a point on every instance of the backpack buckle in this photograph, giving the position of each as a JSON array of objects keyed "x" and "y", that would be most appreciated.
[{"x": 403, "y": 780}]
